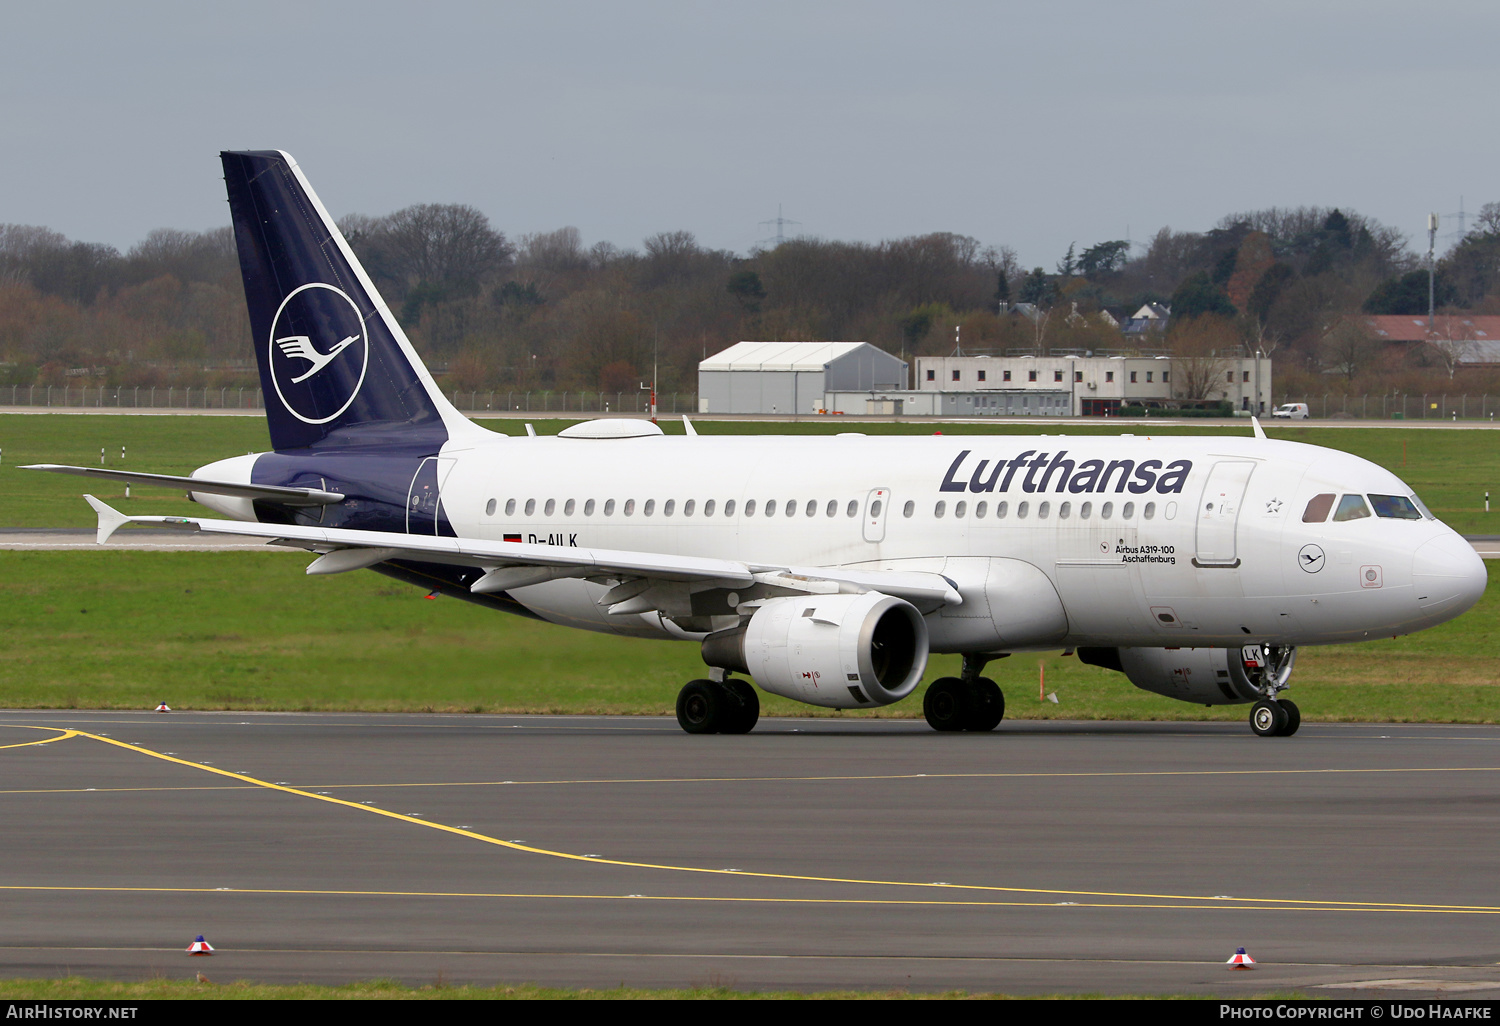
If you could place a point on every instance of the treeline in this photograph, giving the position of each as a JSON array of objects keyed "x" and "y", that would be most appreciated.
[{"x": 545, "y": 312}]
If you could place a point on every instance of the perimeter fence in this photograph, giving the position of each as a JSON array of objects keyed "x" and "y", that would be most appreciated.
[
  {"x": 1321, "y": 407},
  {"x": 170, "y": 398}
]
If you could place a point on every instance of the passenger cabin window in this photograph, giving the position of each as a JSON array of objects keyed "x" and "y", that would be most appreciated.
[
  {"x": 588, "y": 508},
  {"x": 1149, "y": 511},
  {"x": 510, "y": 507},
  {"x": 550, "y": 507},
  {"x": 729, "y": 508},
  {"x": 1395, "y": 507},
  {"x": 908, "y": 509},
  {"x": 959, "y": 508},
  {"x": 812, "y": 507},
  {"x": 530, "y": 506},
  {"x": 749, "y": 507},
  {"x": 940, "y": 509},
  {"x": 1000, "y": 509},
  {"x": 650, "y": 507},
  {"x": 979, "y": 510},
  {"x": 708, "y": 508},
  {"x": 489, "y": 508},
  {"x": 770, "y": 507},
  {"x": 1317, "y": 508},
  {"x": 569, "y": 507},
  {"x": 853, "y": 508},
  {"x": 1351, "y": 507},
  {"x": 689, "y": 506},
  {"x": 1021, "y": 508},
  {"x": 609, "y": 507},
  {"x": 630, "y": 507},
  {"x": 1129, "y": 511},
  {"x": 669, "y": 507}
]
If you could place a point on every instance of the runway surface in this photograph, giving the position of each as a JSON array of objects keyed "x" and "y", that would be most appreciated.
[{"x": 812, "y": 854}]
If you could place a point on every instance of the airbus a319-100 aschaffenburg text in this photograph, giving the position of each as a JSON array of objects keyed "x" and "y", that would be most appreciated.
[{"x": 825, "y": 568}]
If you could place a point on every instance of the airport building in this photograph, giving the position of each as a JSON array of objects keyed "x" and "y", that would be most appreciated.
[
  {"x": 1096, "y": 386},
  {"x": 793, "y": 377}
]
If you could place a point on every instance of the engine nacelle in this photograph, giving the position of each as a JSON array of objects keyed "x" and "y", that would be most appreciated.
[
  {"x": 1206, "y": 676},
  {"x": 838, "y": 651}
]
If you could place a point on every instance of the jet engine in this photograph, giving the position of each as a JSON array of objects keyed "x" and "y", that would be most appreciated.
[
  {"x": 839, "y": 651},
  {"x": 1207, "y": 676}
]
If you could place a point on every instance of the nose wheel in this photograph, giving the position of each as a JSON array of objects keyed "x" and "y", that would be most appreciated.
[{"x": 1275, "y": 718}]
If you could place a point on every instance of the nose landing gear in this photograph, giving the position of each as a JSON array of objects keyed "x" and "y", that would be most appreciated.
[{"x": 1269, "y": 667}]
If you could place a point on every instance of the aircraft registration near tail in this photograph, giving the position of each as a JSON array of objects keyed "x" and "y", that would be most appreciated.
[{"x": 827, "y": 569}]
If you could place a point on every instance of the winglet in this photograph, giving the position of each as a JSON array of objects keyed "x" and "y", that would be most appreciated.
[
  {"x": 1259, "y": 431},
  {"x": 110, "y": 519},
  {"x": 687, "y": 427}
]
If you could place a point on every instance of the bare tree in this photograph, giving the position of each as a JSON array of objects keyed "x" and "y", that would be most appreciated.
[
  {"x": 1349, "y": 348},
  {"x": 1449, "y": 344},
  {"x": 1202, "y": 349}
]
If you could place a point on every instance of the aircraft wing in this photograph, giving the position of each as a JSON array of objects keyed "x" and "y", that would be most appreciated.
[
  {"x": 516, "y": 564},
  {"x": 277, "y": 493}
]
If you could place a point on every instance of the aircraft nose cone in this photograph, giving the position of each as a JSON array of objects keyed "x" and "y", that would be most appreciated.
[{"x": 1448, "y": 576}]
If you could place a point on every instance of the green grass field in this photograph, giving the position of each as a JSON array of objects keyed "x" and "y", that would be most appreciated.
[
  {"x": 1450, "y": 469},
  {"x": 115, "y": 629},
  {"x": 76, "y": 988},
  {"x": 249, "y": 630}
]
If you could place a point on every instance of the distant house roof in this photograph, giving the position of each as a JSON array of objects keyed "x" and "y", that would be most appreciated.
[
  {"x": 1445, "y": 327},
  {"x": 783, "y": 356},
  {"x": 1153, "y": 312},
  {"x": 1482, "y": 354}
]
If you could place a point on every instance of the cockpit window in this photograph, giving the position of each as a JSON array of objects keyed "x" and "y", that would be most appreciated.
[
  {"x": 1317, "y": 508},
  {"x": 1423, "y": 507},
  {"x": 1395, "y": 507},
  {"x": 1351, "y": 507}
]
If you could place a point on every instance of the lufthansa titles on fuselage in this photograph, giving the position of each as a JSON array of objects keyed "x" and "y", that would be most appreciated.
[{"x": 1035, "y": 472}]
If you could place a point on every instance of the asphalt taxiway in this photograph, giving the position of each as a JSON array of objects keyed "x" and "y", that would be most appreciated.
[{"x": 1350, "y": 860}]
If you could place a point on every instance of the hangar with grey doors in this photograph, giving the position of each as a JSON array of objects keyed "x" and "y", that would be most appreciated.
[{"x": 792, "y": 377}]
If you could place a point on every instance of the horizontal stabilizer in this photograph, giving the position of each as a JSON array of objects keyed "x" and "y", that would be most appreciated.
[
  {"x": 110, "y": 519},
  {"x": 275, "y": 493}
]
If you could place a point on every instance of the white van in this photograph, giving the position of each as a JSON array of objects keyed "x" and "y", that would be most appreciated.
[{"x": 1291, "y": 411}]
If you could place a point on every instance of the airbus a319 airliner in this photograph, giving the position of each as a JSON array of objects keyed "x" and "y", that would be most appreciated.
[{"x": 828, "y": 568}]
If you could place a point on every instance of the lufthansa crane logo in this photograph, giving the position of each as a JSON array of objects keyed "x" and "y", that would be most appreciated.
[{"x": 318, "y": 352}]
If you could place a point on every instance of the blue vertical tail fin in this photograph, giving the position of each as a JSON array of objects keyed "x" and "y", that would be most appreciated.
[{"x": 336, "y": 369}]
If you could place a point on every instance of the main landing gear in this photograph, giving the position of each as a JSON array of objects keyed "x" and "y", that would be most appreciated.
[
  {"x": 969, "y": 702},
  {"x": 728, "y": 706}
]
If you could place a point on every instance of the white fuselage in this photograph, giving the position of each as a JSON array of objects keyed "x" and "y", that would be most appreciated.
[{"x": 1199, "y": 541}]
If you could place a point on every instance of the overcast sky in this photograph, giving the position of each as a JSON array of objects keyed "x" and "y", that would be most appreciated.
[{"x": 1028, "y": 125}]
